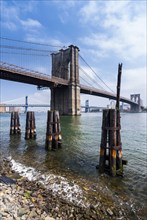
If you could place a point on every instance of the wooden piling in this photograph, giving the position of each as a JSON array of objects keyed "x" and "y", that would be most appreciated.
[
  {"x": 59, "y": 129},
  {"x": 30, "y": 132},
  {"x": 119, "y": 163},
  {"x": 111, "y": 146},
  {"x": 119, "y": 160},
  {"x": 15, "y": 123},
  {"x": 33, "y": 126},
  {"x": 112, "y": 141},
  {"x": 53, "y": 130},
  {"x": 103, "y": 145},
  {"x": 49, "y": 130},
  {"x": 118, "y": 85}
]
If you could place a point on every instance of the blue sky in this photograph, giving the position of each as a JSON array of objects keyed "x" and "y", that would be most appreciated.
[{"x": 107, "y": 33}]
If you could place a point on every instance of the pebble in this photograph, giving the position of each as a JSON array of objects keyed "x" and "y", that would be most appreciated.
[
  {"x": 109, "y": 212},
  {"x": 49, "y": 218},
  {"x": 32, "y": 201}
]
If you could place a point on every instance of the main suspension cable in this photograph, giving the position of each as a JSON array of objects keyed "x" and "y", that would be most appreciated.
[{"x": 29, "y": 42}]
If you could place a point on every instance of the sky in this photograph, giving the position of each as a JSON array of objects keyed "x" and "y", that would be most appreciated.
[{"x": 106, "y": 32}]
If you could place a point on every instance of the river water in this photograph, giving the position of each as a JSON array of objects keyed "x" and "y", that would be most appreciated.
[{"x": 79, "y": 155}]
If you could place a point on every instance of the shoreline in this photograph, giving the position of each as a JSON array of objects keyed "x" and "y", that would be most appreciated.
[{"x": 45, "y": 198}]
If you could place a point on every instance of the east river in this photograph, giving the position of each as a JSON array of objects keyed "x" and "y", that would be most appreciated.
[{"x": 79, "y": 155}]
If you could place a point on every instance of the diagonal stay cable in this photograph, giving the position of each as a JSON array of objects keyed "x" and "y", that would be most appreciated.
[
  {"x": 97, "y": 74},
  {"x": 91, "y": 78},
  {"x": 86, "y": 81}
]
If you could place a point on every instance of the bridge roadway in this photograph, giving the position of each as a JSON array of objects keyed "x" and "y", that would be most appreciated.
[
  {"x": 19, "y": 74},
  {"x": 24, "y": 105},
  {"x": 43, "y": 105}
]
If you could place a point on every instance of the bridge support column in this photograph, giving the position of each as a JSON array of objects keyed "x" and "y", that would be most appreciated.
[
  {"x": 136, "y": 98},
  {"x": 86, "y": 106},
  {"x": 26, "y": 104},
  {"x": 66, "y": 99}
]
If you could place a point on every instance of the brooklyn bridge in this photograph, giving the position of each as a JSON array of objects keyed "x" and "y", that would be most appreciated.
[{"x": 64, "y": 80}]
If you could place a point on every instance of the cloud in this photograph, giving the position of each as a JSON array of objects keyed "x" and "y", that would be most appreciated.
[
  {"x": 89, "y": 12},
  {"x": 117, "y": 31},
  {"x": 10, "y": 25},
  {"x": 11, "y": 17},
  {"x": 121, "y": 28},
  {"x": 30, "y": 23},
  {"x": 134, "y": 81},
  {"x": 65, "y": 9},
  {"x": 45, "y": 40},
  {"x": 65, "y": 5}
]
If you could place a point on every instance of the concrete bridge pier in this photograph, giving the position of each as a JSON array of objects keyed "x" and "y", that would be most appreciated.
[
  {"x": 26, "y": 104},
  {"x": 65, "y": 65},
  {"x": 87, "y": 109},
  {"x": 135, "y": 108}
]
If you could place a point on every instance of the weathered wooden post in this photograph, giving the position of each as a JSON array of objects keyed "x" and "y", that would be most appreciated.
[
  {"x": 119, "y": 144},
  {"x": 30, "y": 132},
  {"x": 56, "y": 130},
  {"x": 59, "y": 129},
  {"x": 53, "y": 130},
  {"x": 111, "y": 147},
  {"x": 33, "y": 126},
  {"x": 49, "y": 130},
  {"x": 103, "y": 146},
  {"x": 12, "y": 123},
  {"x": 112, "y": 141},
  {"x": 27, "y": 132},
  {"x": 15, "y": 124}
]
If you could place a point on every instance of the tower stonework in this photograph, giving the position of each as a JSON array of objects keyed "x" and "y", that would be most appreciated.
[
  {"x": 136, "y": 98},
  {"x": 65, "y": 65}
]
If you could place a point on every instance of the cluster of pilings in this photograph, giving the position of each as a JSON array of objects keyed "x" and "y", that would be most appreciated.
[
  {"x": 53, "y": 130},
  {"x": 111, "y": 147},
  {"x": 15, "y": 124}
]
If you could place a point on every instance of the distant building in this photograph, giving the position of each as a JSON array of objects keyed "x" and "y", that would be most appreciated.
[
  {"x": 14, "y": 109},
  {"x": 2, "y": 108}
]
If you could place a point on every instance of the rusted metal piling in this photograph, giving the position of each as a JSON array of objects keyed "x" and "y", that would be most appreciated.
[
  {"x": 111, "y": 146},
  {"x": 53, "y": 130},
  {"x": 15, "y": 124},
  {"x": 30, "y": 132}
]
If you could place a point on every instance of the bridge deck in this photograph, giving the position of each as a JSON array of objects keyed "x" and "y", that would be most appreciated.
[
  {"x": 97, "y": 92},
  {"x": 20, "y": 74}
]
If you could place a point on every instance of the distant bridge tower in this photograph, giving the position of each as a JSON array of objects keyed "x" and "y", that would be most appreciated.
[
  {"x": 136, "y": 98},
  {"x": 86, "y": 106},
  {"x": 26, "y": 104},
  {"x": 65, "y": 65}
]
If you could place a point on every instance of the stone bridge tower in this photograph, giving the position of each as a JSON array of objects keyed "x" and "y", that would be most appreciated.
[
  {"x": 136, "y": 98},
  {"x": 65, "y": 65}
]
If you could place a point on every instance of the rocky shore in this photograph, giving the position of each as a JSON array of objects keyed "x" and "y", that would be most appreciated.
[{"x": 33, "y": 200}]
